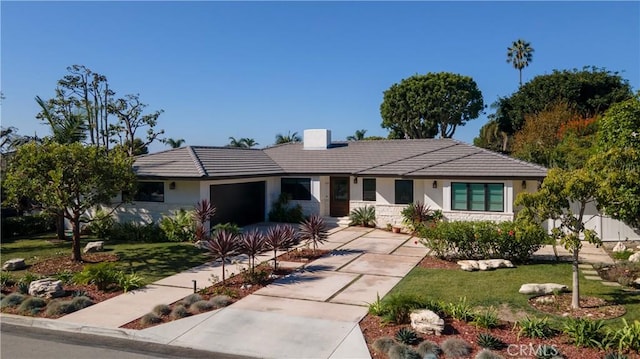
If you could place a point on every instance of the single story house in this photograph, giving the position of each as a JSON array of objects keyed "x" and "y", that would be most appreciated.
[{"x": 332, "y": 178}]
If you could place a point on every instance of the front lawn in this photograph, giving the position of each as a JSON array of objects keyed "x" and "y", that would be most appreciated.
[
  {"x": 152, "y": 261},
  {"x": 499, "y": 287}
]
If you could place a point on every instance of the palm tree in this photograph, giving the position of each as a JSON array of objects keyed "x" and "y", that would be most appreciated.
[
  {"x": 358, "y": 136},
  {"x": 173, "y": 143},
  {"x": 249, "y": 142},
  {"x": 233, "y": 142},
  {"x": 520, "y": 54},
  {"x": 288, "y": 138}
]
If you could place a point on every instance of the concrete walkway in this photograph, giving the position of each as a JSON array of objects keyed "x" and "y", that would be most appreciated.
[{"x": 313, "y": 313}]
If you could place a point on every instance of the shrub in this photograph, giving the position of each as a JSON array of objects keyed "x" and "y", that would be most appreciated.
[
  {"x": 488, "y": 341},
  {"x": 313, "y": 231},
  {"x": 103, "y": 275},
  {"x": 363, "y": 216},
  {"x": 179, "y": 312},
  {"x": 454, "y": 347},
  {"x": 222, "y": 245},
  {"x": 429, "y": 347},
  {"x": 584, "y": 332},
  {"x": 627, "y": 337},
  {"x": 12, "y": 300},
  {"x": 407, "y": 336},
  {"x": 81, "y": 302},
  {"x": 190, "y": 299},
  {"x": 66, "y": 276},
  {"x": 484, "y": 239},
  {"x": 229, "y": 227},
  {"x": 201, "y": 306},
  {"x": 6, "y": 279},
  {"x": 132, "y": 232},
  {"x": 376, "y": 308},
  {"x": 279, "y": 238},
  {"x": 416, "y": 215},
  {"x": 180, "y": 227},
  {"x": 161, "y": 309},
  {"x": 397, "y": 308},
  {"x": 282, "y": 212},
  {"x": 23, "y": 287},
  {"x": 622, "y": 256},
  {"x": 460, "y": 311},
  {"x": 220, "y": 301},
  {"x": 29, "y": 277},
  {"x": 383, "y": 344},
  {"x": 150, "y": 319},
  {"x": 486, "y": 319},
  {"x": 535, "y": 328},
  {"x": 488, "y": 354},
  {"x": 58, "y": 307},
  {"x": 401, "y": 351},
  {"x": 130, "y": 281},
  {"x": 252, "y": 244},
  {"x": 26, "y": 225},
  {"x": 32, "y": 305},
  {"x": 101, "y": 224}
]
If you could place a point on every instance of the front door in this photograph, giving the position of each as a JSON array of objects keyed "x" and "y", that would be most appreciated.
[{"x": 339, "y": 206}]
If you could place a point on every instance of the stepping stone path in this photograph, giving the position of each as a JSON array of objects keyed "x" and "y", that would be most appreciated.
[{"x": 591, "y": 274}]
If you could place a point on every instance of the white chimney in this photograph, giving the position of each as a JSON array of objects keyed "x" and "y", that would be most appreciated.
[{"x": 317, "y": 139}]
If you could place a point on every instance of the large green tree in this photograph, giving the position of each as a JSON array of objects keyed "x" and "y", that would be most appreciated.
[
  {"x": 589, "y": 92},
  {"x": 520, "y": 54},
  {"x": 72, "y": 176},
  {"x": 617, "y": 163},
  {"x": 423, "y": 106},
  {"x": 559, "y": 190}
]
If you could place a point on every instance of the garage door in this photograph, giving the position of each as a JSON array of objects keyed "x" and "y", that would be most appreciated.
[{"x": 239, "y": 203}]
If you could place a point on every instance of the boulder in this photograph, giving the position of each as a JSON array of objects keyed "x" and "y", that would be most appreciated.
[
  {"x": 635, "y": 258},
  {"x": 14, "y": 264},
  {"x": 619, "y": 247},
  {"x": 486, "y": 264},
  {"x": 97, "y": 246},
  {"x": 426, "y": 322},
  {"x": 48, "y": 288},
  {"x": 545, "y": 288}
]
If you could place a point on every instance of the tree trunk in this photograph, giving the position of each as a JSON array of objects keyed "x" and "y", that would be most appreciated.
[
  {"x": 60, "y": 225},
  {"x": 76, "y": 255},
  {"x": 575, "y": 294}
]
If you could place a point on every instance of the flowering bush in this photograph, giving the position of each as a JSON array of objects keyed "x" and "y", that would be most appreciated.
[{"x": 484, "y": 239}]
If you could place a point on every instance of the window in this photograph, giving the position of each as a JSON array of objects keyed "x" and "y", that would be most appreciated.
[
  {"x": 404, "y": 191},
  {"x": 298, "y": 189},
  {"x": 149, "y": 192},
  {"x": 369, "y": 189},
  {"x": 486, "y": 197}
]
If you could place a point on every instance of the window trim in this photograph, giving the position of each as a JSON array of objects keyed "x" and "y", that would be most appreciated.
[
  {"x": 486, "y": 197},
  {"x": 366, "y": 198},
  {"x": 395, "y": 195},
  {"x": 297, "y": 181}
]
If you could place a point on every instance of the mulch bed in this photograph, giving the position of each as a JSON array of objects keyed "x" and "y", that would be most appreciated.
[
  {"x": 58, "y": 264},
  {"x": 302, "y": 255},
  {"x": 590, "y": 307}
]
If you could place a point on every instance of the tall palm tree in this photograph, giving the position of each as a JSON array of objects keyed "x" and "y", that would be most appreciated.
[
  {"x": 358, "y": 136},
  {"x": 520, "y": 54},
  {"x": 249, "y": 142},
  {"x": 173, "y": 143},
  {"x": 288, "y": 138}
]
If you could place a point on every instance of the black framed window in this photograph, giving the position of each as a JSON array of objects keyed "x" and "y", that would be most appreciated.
[
  {"x": 486, "y": 197},
  {"x": 404, "y": 191},
  {"x": 369, "y": 189},
  {"x": 149, "y": 192},
  {"x": 298, "y": 189}
]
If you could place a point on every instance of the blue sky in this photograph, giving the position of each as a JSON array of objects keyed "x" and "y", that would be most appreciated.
[{"x": 254, "y": 69}]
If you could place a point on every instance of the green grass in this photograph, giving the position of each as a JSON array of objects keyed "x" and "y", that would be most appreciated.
[
  {"x": 494, "y": 288},
  {"x": 152, "y": 261}
]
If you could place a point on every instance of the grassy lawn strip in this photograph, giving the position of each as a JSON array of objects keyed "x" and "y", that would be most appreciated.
[
  {"x": 153, "y": 261},
  {"x": 494, "y": 288}
]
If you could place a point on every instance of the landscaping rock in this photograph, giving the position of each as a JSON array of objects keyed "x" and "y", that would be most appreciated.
[
  {"x": 635, "y": 258},
  {"x": 619, "y": 247},
  {"x": 426, "y": 322},
  {"x": 14, "y": 264},
  {"x": 48, "y": 288},
  {"x": 545, "y": 288},
  {"x": 487, "y": 264},
  {"x": 97, "y": 246}
]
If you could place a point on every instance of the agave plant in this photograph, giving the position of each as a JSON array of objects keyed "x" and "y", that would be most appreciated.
[
  {"x": 252, "y": 243},
  {"x": 280, "y": 237},
  {"x": 314, "y": 231},
  {"x": 363, "y": 216},
  {"x": 222, "y": 244}
]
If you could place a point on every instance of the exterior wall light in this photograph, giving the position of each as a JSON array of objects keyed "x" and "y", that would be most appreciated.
[
  {"x": 434, "y": 184},
  {"x": 172, "y": 185},
  {"x": 524, "y": 184},
  {"x": 355, "y": 180}
]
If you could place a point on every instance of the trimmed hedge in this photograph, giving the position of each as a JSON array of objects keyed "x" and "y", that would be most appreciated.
[
  {"x": 27, "y": 225},
  {"x": 484, "y": 239}
]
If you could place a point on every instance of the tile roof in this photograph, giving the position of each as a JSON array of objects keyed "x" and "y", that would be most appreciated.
[{"x": 428, "y": 158}]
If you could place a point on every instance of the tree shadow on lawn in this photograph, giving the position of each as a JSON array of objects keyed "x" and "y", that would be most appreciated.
[{"x": 162, "y": 261}]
